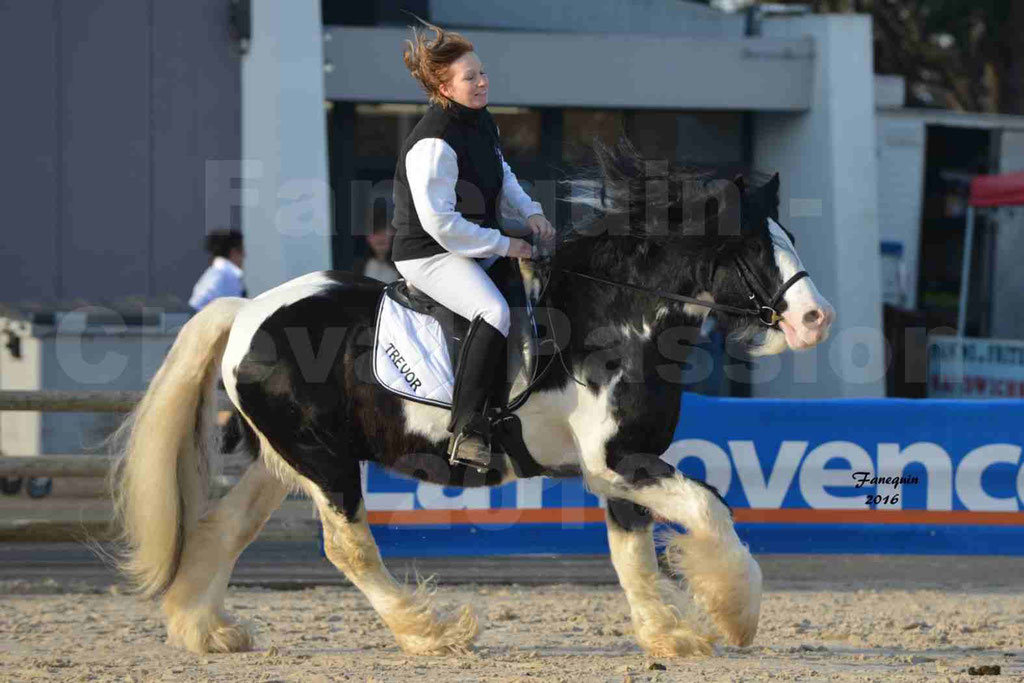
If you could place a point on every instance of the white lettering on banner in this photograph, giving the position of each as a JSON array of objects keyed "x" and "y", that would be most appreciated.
[
  {"x": 529, "y": 493},
  {"x": 390, "y": 500},
  {"x": 814, "y": 477},
  {"x": 1020, "y": 483},
  {"x": 937, "y": 464},
  {"x": 770, "y": 493},
  {"x": 974, "y": 464},
  {"x": 433, "y": 497},
  {"x": 765, "y": 485},
  {"x": 717, "y": 468}
]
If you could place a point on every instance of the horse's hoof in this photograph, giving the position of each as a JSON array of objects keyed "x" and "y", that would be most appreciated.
[
  {"x": 450, "y": 635},
  {"x": 210, "y": 635},
  {"x": 230, "y": 638},
  {"x": 678, "y": 642}
]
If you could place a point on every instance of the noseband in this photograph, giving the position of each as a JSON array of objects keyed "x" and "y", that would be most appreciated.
[
  {"x": 763, "y": 305},
  {"x": 767, "y": 306}
]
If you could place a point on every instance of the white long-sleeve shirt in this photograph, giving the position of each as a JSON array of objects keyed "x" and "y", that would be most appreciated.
[
  {"x": 432, "y": 169},
  {"x": 222, "y": 278}
]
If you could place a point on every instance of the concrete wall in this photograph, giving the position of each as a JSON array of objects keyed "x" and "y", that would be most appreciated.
[
  {"x": 901, "y": 158},
  {"x": 590, "y": 70},
  {"x": 285, "y": 196},
  {"x": 665, "y": 17},
  {"x": 826, "y": 160},
  {"x": 29, "y": 249},
  {"x": 119, "y": 105}
]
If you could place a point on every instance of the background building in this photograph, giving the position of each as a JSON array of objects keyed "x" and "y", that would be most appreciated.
[
  {"x": 115, "y": 109},
  {"x": 141, "y": 125},
  {"x": 926, "y": 158}
]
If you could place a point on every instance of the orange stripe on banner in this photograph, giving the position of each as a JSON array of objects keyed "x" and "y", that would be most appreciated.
[
  {"x": 495, "y": 516},
  {"x": 577, "y": 515},
  {"x": 957, "y": 517}
]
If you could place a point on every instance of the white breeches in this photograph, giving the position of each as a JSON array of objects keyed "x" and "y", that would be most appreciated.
[{"x": 459, "y": 284}]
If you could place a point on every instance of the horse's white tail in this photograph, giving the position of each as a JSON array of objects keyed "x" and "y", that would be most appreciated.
[{"x": 160, "y": 484}]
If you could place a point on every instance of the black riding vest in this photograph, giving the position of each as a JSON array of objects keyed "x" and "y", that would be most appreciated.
[{"x": 473, "y": 135}]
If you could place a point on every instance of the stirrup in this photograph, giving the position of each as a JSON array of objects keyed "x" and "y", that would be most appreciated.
[{"x": 453, "y": 450}]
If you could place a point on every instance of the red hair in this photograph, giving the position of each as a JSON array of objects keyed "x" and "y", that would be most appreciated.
[{"x": 428, "y": 60}]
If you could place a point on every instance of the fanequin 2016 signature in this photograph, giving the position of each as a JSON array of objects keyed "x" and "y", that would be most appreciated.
[{"x": 863, "y": 478}]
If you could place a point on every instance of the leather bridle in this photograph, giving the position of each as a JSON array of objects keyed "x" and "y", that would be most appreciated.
[{"x": 764, "y": 306}]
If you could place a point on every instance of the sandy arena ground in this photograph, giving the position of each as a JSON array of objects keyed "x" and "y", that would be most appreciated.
[{"x": 545, "y": 633}]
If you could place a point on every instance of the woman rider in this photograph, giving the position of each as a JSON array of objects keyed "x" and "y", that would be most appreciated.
[{"x": 451, "y": 182}]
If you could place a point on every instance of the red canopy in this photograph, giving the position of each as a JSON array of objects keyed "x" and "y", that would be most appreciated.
[{"x": 998, "y": 190}]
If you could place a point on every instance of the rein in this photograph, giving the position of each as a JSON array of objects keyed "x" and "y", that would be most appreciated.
[{"x": 764, "y": 308}]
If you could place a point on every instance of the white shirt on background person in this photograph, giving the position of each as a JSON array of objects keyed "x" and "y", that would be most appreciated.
[{"x": 222, "y": 278}]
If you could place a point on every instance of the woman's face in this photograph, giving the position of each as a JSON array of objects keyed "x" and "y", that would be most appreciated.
[{"x": 467, "y": 82}]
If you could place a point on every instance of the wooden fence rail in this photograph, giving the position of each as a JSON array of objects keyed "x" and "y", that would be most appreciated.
[
  {"x": 229, "y": 467},
  {"x": 81, "y": 401},
  {"x": 21, "y": 523},
  {"x": 78, "y": 464},
  {"x": 75, "y": 465}
]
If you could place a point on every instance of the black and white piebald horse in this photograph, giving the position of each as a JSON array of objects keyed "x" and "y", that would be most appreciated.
[{"x": 652, "y": 255}]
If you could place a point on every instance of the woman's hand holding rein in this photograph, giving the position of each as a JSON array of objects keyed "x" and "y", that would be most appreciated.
[
  {"x": 541, "y": 227},
  {"x": 518, "y": 248}
]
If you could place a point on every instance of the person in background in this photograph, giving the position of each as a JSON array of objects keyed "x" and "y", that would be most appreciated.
[
  {"x": 224, "y": 276},
  {"x": 378, "y": 264}
]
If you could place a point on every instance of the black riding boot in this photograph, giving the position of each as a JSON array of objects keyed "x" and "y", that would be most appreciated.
[{"x": 481, "y": 363}]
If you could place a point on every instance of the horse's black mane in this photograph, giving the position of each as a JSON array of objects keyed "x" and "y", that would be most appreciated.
[
  {"x": 629, "y": 195},
  {"x": 652, "y": 224},
  {"x": 625, "y": 209}
]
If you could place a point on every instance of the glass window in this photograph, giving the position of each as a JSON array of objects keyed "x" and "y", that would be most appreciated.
[
  {"x": 380, "y": 129},
  {"x": 653, "y": 133},
  {"x": 520, "y": 130},
  {"x": 709, "y": 137},
  {"x": 581, "y": 126},
  {"x": 373, "y": 12},
  {"x": 953, "y": 157}
]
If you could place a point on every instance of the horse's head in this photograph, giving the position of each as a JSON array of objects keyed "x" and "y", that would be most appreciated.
[
  {"x": 762, "y": 267},
  {"x": 705, "y": 234}
]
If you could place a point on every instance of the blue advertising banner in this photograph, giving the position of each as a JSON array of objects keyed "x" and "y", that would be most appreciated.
[{"x": 836, "y": 476}]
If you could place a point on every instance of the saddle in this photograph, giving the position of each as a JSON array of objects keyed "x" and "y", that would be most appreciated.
[
  {"x": 416, "y": 346},
  {"x": 417, "y": 340}
]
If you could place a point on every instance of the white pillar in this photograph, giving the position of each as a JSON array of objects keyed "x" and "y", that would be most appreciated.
[
  {"x": 285, "y": 190},
  {"x": 1008, "y": 278},
  {"x": 965, "y": 275},
  {"x": 826, "y": 158}
]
